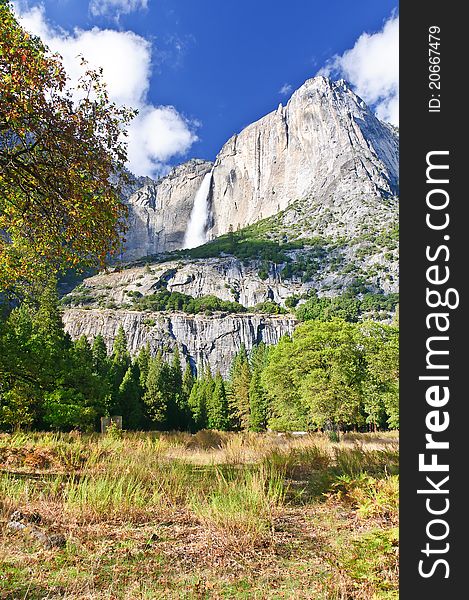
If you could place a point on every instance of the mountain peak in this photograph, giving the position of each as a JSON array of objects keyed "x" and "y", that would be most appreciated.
[{"x": 325, "y": 146}]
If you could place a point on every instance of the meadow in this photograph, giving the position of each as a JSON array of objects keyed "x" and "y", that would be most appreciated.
[{"x": 205, "y": 515}]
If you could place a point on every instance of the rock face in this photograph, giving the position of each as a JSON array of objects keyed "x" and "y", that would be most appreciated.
[
  {"x": 159, "y": 211},
  {"x": 227, "y": 278},
  {"x": 325, "y": 145},
  {"x": 213, "y": 340}
]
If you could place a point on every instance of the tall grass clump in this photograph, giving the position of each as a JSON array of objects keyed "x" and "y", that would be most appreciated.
[
  {"x": 356, "y": 460},
  {"x": 101, "y": 497},
  {"x": 242, "y": 507}
]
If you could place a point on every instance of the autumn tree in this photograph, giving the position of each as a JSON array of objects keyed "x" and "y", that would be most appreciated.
[{"x": 61, "y": 154}]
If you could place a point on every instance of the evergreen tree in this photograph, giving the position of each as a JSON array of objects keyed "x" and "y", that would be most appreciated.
[
  {"x": 197, "y": 411},
  {"x": 157, "y": 388},
  {"x": 100, "y": 358},
  {"x": 120, "y": 362},
  {"x": 143, "y": 361},
  {"x": 131, "y": 400},
  {"x": 200, "y": 398},
  {"x": 217, "y": 413},
  {"x": 258, "y": 400},
  {"x": 82, "y": 352},
  {"x": 240, "y": 379},
  {"x": 206, "y": 396},
  {"x": 258, "y": 415},
  {"x": 177, "y": 403},
  {"x": 186, "y": 389},
  {"x": 47, "y": 321},
  {"x": 187, "y": 381},
  {"x": 177, "y": 369},
  {"x": 120, "y": 354},
  {"x": 48, "y": 335}
]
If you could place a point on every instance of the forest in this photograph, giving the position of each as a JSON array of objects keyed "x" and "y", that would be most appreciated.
[{"x": 331, "y": 374}]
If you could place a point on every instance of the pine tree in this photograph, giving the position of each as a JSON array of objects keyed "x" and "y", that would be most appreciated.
[
  {"x": 143, "y": 361},
  {"x": 200, "y": 398},
  {"x": 240, "y": 379},
  {"x": 156, "y": 394},
  {"x": 100, "y": 358},
  {"x": 195, "y": 406},
  {"x": 120, "y": 362},
  {"x": 183, "y": 419},
  {"x": 130, "y": 400},
  {"x": 187, "y": 381},
  {"x": 206, "y": 394},
  {"x": 175, "y": 402},
  {"x": 82, "y": 351},
  {"x": 47, "y": 321},
  {"x": 218, "y": 417},
  {"x": 48, "y": 335},
  {"x": 177, "y": 369},
  {"x": 120, "y": 353},
  {"x": 258, "y": 404}
]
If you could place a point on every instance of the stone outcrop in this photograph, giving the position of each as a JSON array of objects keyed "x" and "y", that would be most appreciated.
[
  {"x": 227, "y": 278},
  {"x": 201, "y": 339},
  {"x": 159, "y": 210},
  {"x": 325, "y": 145}
]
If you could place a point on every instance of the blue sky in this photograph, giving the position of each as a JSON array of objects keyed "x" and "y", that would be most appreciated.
[{"x": 220, "y": 64}]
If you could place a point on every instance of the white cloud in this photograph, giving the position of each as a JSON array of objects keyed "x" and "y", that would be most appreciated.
[
  {"x": 158, "y": 132},
  {"x": 285, "y": 89},
  {"x": 372, "y": 67},
  {"x": 115, "y": 8}
]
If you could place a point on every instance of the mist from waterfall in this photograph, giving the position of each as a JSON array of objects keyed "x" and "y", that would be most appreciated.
[{"x": 197, "y": 226}]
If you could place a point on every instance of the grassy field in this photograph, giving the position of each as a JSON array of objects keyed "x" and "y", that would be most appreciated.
[{"x": 210, "y": 515}]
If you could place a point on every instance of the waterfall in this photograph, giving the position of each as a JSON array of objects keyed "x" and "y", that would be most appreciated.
[{"x": 196, "y": 228}]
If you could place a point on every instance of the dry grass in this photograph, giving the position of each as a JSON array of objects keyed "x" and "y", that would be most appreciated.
[{"x": 213, "y": 515}]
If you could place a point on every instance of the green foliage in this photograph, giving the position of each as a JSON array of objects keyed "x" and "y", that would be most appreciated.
[
  {"x": 258, "y": 399},
  {"x": 257, "y": 404},
  {"x": 292, "y": 301},
  {"x": 217, "y": 408},
  {"x": 347, "y": 306},
  {"x": 130, "y": 400},
  {"x": 19, "y": 406},
  {"x": 269, "y": 307},
  {"x": 331, "y": 374},
  {"x": 157, "y": 388},
  {"x": 143, "y": 363},
  {"x": 173, "y": 301},
  {"x": 334, "y": 374},
  {"x": 239, "y": 382},
  {"x": 66, "y": 409}
]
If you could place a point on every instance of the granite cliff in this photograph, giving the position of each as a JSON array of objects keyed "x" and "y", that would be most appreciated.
[
  {"x": 159, "y": 210},
  {"x": 201, "y": 340},
  {"x": 325, "y": 147}
]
